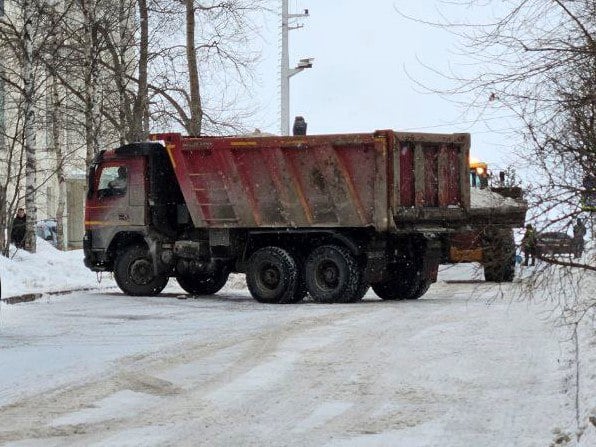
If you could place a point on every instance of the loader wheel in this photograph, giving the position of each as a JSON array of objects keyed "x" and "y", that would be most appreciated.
[
  {"x": 204, "y": 284},
  {"x": 499, "y": 258},
  {"x": 272, "y": 276},
  {"x": 332, "y": 275},
  {"x": 134, "y": 274}
]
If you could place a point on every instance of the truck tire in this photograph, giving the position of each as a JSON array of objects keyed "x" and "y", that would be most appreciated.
[
  {"x": 133, "y": 272},
  {"x": 410, "y": 285},
  {"x": 421, "y": 290},
  {"x": 395, "y": 289},
  {"x": 332, "y": 275},
  {"x": 362, "y": 289},
  {"x": 301, "y": 290},
  {"x": 206, "y": 284},
  {"x": 272, "y": 276},
  {"x": 499, "y": 257}
]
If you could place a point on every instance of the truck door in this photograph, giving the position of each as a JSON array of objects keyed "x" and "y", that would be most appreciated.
[{"x": 119, "y": 198}]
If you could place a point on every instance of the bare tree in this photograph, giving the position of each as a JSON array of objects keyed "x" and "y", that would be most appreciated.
[
  {"x": 21, "y": 75},
  {"x": 217, "y": 57},
  {"x": 28, "y": 77},
  {"x": 537, "y": 61}
]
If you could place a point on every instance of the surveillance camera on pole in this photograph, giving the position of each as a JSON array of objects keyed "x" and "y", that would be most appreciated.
[
  {"x": 286, "y": 71},
  {"x": 305, "y": 63}
]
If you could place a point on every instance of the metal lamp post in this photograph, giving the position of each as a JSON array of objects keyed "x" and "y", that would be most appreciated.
[{"x": 286, "y": 71}]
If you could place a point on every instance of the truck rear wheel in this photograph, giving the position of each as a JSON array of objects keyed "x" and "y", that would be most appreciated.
[
  {"x": 362, "y": 289},
  {"x": 402, "y": 288},
  {"x": 299, "y": 256},
  {"x": 407, "y": 282},
  {"x": 332, "y": 275},
  {"x": 204, "y": 284},
  {"x": 272, "y": 276},
  {"x": 134, "y": 273}
]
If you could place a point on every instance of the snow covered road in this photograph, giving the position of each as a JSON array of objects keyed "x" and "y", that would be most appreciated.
[{"x": 451, "y": 369}]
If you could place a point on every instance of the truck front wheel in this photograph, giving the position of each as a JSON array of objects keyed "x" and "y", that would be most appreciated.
[
  {"x": 333, "y": 275},
  {"x": 204, "y": 284},
  {"x": 272, "y": 276},
  {"x": 134, "y": 274}
]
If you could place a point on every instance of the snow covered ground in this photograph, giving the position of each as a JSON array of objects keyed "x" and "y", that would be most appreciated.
[
  {"x": 469, "y": 364},
  {"x": 46, "y": 271}
]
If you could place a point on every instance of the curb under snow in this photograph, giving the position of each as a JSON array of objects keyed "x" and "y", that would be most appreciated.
[{"x": 28, "y": 297}]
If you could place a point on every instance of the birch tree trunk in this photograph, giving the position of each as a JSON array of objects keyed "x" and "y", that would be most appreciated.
[
  {"x": 3, "y": 221},
  {"x": 57, "y": 148},
  {"x": 89, "y": 9},
  {"x": 140, "y": 128},
  {"x": 120, "y": 77},
  {"x": 3, "y": 151},
  {"x": 29, "y": 127},
  {"x": 196, "y": 109}
]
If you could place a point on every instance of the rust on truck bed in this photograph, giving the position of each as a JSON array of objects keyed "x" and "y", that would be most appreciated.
[{"x": 325, "y": 181}]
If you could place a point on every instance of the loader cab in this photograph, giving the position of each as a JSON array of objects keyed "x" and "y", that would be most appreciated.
[{"x": 479, "y": 174}]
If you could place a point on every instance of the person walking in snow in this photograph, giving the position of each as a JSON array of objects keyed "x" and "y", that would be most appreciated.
[
  {"x": 17, "y": 234},
  {"x": 529, "y": 245},
  {"x": 579, "y": 231}
]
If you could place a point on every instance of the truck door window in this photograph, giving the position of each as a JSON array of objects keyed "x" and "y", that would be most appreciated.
[{"x": 113, "y": 181}]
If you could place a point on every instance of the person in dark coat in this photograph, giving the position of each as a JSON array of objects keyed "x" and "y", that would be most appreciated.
[
  {"x": 17, "y": 235},
  {"x": 579, "y": 231},
  {"x": 529, "y": 245}
]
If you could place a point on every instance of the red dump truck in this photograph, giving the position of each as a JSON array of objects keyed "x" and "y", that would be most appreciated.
[{"x": 327, "y": 215}]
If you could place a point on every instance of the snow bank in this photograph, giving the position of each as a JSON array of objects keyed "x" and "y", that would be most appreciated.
[
  {"x": 48, "y": 270},
  {"x": 484, "y": 198},
  {"x": 52, "y": 270}
]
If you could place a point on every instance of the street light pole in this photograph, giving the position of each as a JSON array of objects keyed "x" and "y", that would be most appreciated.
[{"x": 286, "y": 71}]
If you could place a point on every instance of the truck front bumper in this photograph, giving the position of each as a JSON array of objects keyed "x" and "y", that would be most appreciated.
[{"x": 94, "y": 259}]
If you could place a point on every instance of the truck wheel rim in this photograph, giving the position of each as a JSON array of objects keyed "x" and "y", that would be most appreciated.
[
  {"x": 141, "y": 271},
  {"x": 269, "y": 276},
  {"x": 327, "y": 275}
]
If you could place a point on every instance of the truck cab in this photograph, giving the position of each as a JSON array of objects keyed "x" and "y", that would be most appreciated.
[{"x": 132, "y": 198}]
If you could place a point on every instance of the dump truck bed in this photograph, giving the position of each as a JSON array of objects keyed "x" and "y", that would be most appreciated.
[{"x": 382, "y": 180}]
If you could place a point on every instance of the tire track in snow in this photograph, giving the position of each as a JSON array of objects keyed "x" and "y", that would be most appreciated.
[{"x": 31, "y": 418}]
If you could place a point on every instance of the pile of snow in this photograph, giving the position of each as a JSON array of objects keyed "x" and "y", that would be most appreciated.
[
  {"x": 485, "y": 198},
  {"x": 48, "y": 270}
]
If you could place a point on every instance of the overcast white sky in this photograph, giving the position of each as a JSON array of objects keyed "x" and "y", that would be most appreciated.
[{"x": 366, "y": 55}]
